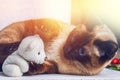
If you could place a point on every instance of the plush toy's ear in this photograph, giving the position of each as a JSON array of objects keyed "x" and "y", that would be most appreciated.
[
  {"x": 30, "y": 46},
  {"x": 34, "y": 43},
  {"x": 26, "y": 47}
]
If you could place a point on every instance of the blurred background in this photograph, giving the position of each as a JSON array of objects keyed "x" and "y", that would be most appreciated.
[
  {"x": 105, "y": 11},
  {"x": 20, "y": 10},
  {"x": 69, "y": 11}
]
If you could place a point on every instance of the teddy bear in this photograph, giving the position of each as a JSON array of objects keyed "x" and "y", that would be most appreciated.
[{"x": 31, "y": 49}]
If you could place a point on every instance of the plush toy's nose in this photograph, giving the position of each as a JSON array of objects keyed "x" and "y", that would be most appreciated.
[{"x": 46, "y": 58}]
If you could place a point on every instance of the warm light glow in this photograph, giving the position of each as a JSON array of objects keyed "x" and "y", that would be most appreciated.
[
  {"x": 110, "y": 10},
  {"x": 106, "y": 9}
]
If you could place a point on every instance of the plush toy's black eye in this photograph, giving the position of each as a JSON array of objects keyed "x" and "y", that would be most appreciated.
[{"x": 38, "y": 53}]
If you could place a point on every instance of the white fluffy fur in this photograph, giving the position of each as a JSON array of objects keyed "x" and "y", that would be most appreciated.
[{"x": 16, "y": 64}]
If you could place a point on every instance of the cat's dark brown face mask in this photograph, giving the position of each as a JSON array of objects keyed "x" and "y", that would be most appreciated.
[{"x": 93, "y": 48}]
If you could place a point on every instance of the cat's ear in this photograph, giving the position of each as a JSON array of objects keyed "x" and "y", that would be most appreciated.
[{"x": 77, "y": 39}]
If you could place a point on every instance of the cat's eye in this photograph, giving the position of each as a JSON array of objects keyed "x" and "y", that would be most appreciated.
[
  {"x": 38, "y": 53},
  {"x": 82, "y": 52}
]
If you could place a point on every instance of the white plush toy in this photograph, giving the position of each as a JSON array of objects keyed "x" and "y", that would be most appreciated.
[{"x": 31, "y": 49}]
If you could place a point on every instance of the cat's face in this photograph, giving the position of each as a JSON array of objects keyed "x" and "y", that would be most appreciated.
[{"x": 92, "y": 48}]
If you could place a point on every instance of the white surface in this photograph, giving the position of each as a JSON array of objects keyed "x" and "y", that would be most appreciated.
[
  {"x": 106, "y": 74},
  {"x": 19, "y": 10}
]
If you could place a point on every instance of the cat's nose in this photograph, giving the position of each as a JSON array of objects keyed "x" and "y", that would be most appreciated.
[{"x": 106, "y": 48}]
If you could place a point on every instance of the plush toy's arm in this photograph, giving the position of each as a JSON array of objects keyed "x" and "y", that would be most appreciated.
[{"x": 17, "y": 60}]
